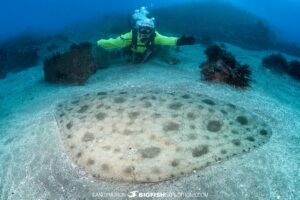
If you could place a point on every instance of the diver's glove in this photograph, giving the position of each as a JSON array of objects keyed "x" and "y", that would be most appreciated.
[{"x": 186, "y": 40}]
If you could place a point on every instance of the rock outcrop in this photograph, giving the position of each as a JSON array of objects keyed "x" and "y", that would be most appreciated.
[{"x": 73, "y": 66}]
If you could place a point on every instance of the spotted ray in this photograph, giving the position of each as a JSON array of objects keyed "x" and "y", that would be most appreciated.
[{"x": 153, "y": 136}]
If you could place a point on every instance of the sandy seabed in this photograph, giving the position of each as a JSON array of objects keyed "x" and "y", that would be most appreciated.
[{"x": 33, "y": 163}]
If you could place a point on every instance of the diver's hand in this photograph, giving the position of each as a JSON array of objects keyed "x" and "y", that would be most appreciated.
[{"x": 186, "y": 40}]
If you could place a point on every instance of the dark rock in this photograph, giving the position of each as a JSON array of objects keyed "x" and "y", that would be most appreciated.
[
  {"x": 276, "y": 62},
  {"x": 294, "y": 69},
  {"x": 73, "y": 66},
  {"x": 279, "y": 64},
  {"x": 221, "y": 66}
]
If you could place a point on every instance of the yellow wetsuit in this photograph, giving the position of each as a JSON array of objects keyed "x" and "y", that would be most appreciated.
[{"x": 126, "y": 41}]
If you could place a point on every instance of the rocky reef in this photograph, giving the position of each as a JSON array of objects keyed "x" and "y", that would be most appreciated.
[
  {"x": 222, "y": 67},
  {"x": 73, "y": 66},
  {"x": 276, "y": 62},
  {"x": 279, "y": 64}
]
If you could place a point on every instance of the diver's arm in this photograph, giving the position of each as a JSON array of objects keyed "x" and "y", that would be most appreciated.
[
  {"x": 164, "y": 40},
  {"x": 116, "y": 43}
]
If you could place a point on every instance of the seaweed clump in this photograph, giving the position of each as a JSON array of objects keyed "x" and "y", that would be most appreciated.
[
  {"x": 221, "y": 66},
  {"x": 73, "y": 66},
  {"x": 276, "y": 62},
  {"x": 294, "y": 70},
  {"x": 279, "y": 64}
]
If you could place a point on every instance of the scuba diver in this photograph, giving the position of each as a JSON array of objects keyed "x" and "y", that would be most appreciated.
[{"x": 143, "y": 39}]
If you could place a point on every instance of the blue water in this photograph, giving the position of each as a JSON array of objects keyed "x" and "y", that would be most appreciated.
[
  {"x": 284, "y": 15},
  {"x": 52, "y": 15}
]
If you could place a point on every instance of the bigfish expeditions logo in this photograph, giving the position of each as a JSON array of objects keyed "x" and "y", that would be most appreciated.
[
  {"x": 138, "y": 194},
  {"x": 133, "y": 194}
]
